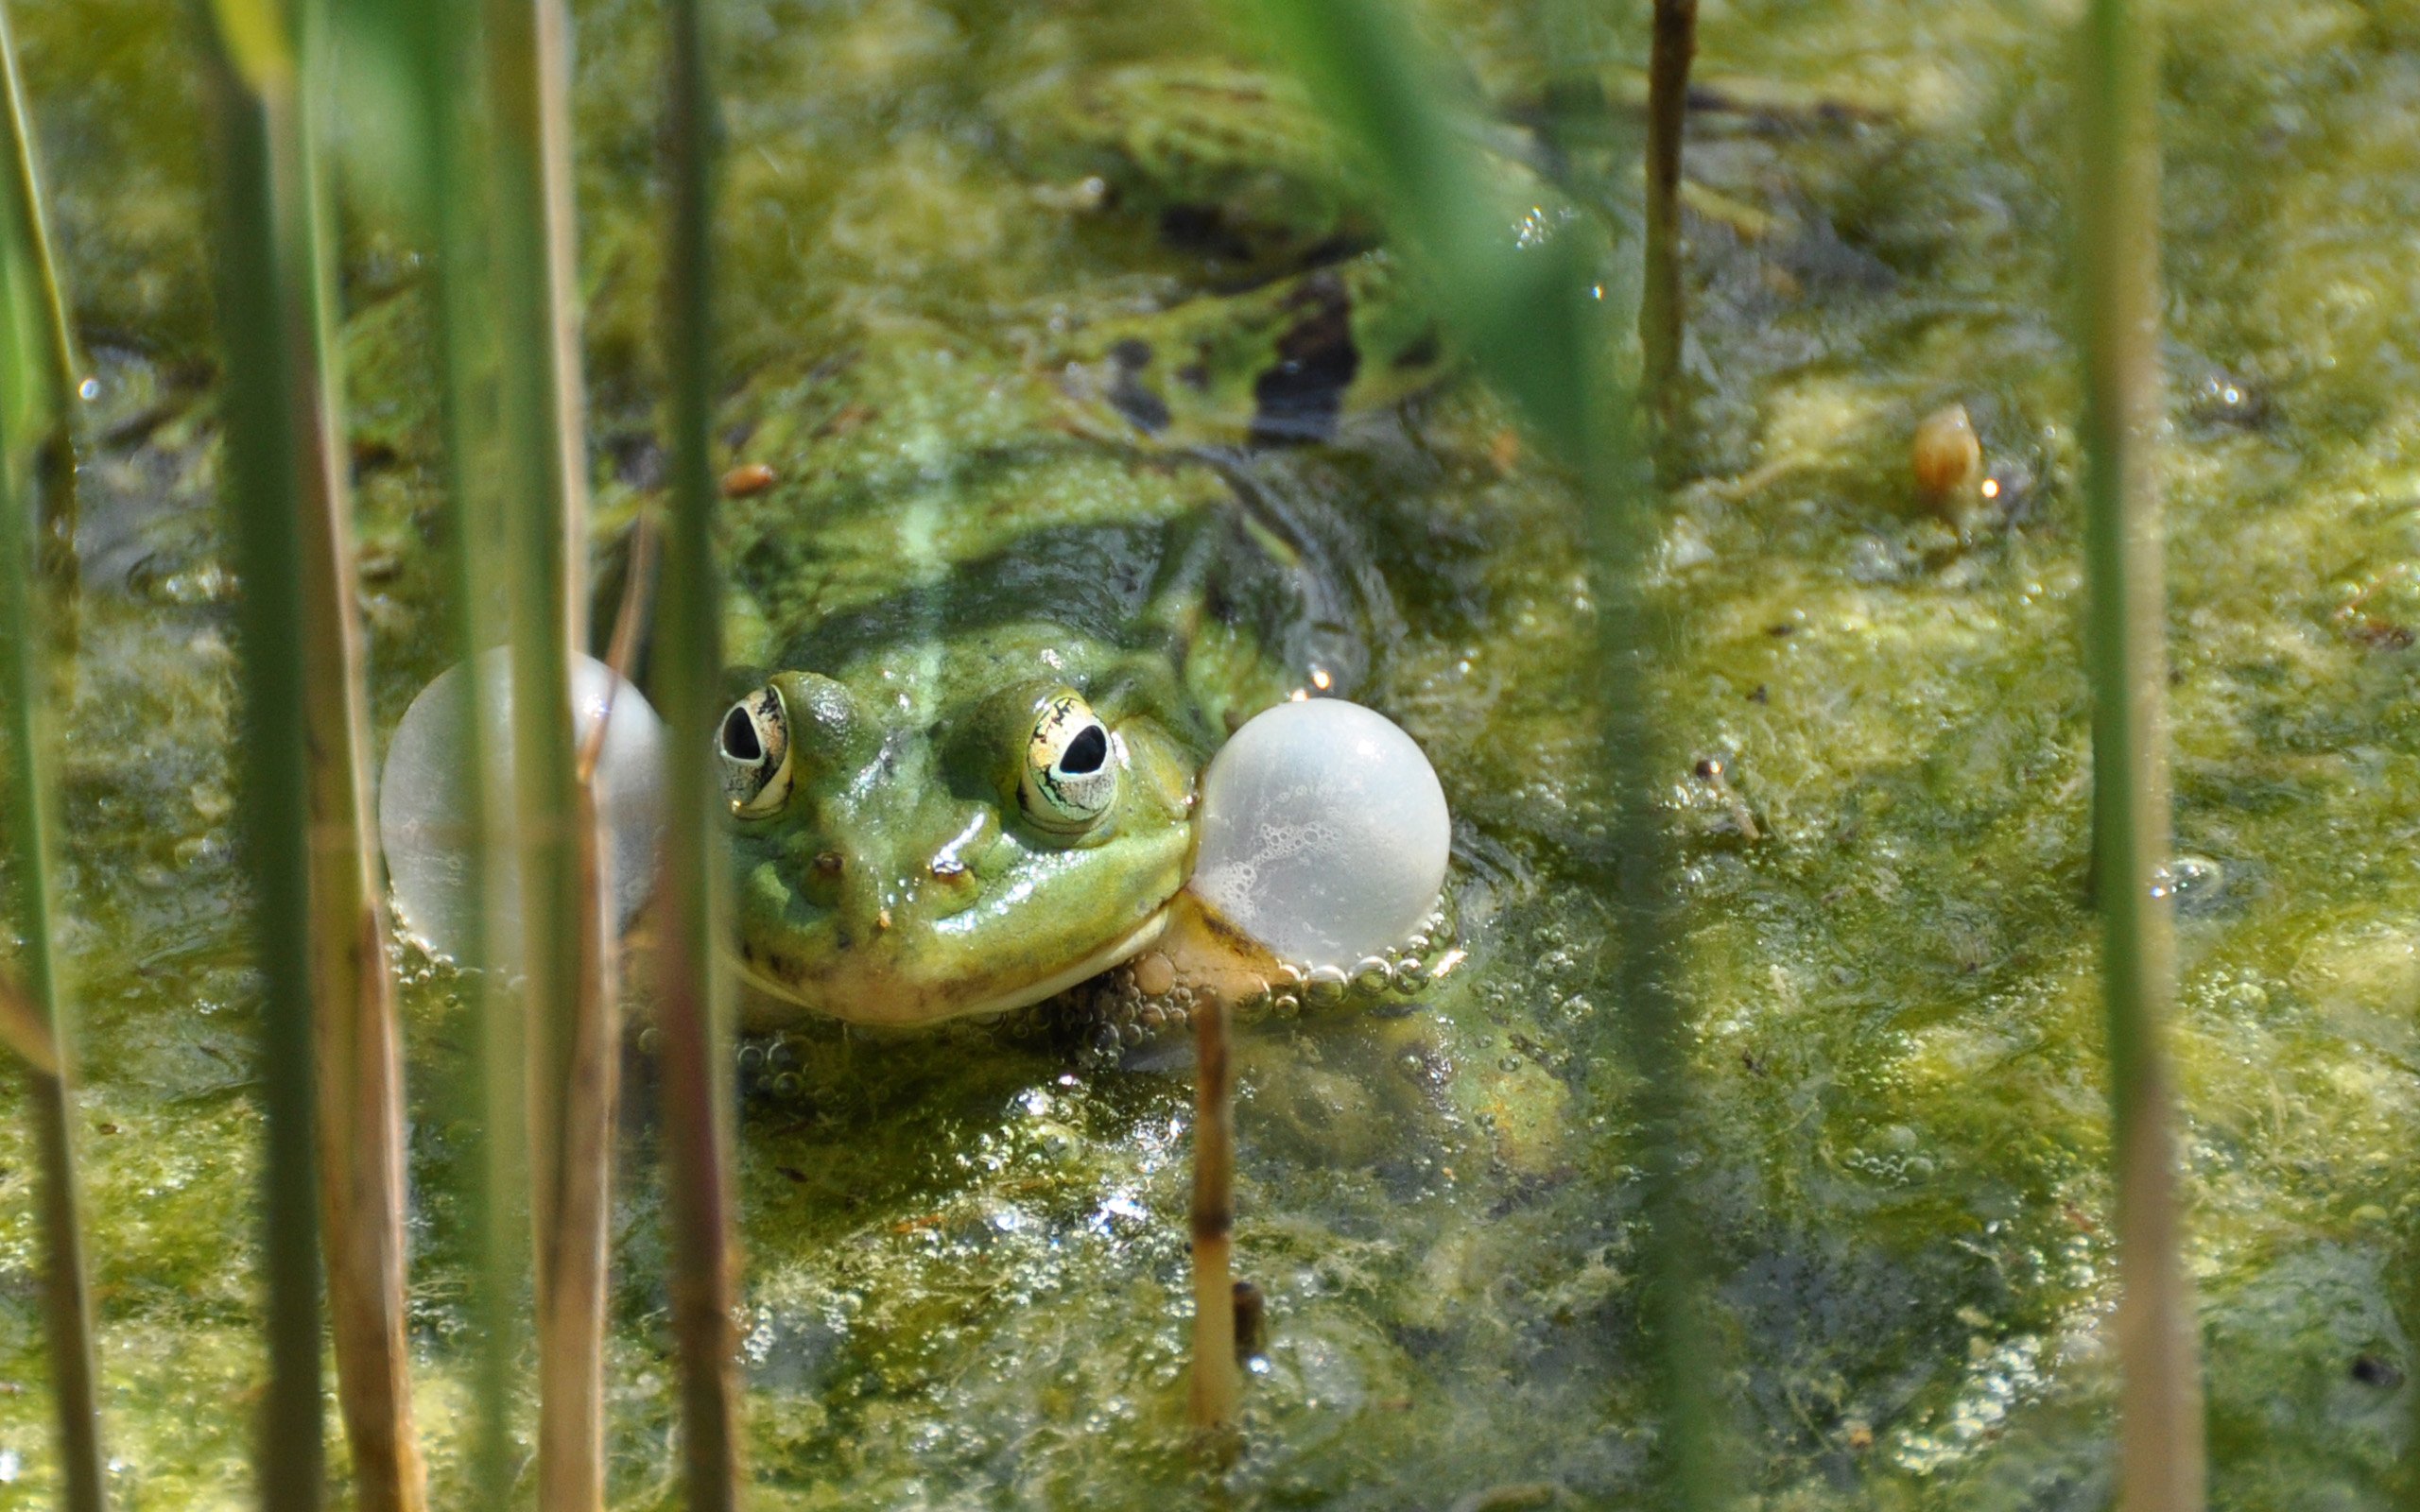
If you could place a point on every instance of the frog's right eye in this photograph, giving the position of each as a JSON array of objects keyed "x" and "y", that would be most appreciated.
[
  {"x": 1071, "y": 764},
  {"x": 753, "y": 751}
]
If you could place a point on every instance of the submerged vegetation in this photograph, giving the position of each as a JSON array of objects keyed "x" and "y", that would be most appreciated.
[{"x": 1760, "y": 1139}]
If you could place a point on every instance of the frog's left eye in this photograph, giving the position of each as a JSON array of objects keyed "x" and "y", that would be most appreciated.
[
  {"x": 1071, "y": 765},
  {"x": 752, "y": 747}
]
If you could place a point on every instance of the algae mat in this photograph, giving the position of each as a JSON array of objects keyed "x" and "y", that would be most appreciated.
[{"x": 966, "y": 1260}]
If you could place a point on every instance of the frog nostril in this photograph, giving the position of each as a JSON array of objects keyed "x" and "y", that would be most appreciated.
[
  {"x": 829, "y": 864},
  {"x": 946, "y": 867}
]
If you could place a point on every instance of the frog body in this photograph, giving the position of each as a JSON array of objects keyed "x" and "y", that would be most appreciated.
[
  {"x": 918, "y": 866},
  {"x": 985, "y": 641},
  {"x": 1230, "y": 167},
  {"x": 1280, "y": 364},
  {"x": 1276, "y": 310}
]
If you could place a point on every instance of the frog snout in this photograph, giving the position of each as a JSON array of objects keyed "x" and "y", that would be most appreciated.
[
  {"x": 877, "y": 889},
  {"x": 856, "y": 889}
]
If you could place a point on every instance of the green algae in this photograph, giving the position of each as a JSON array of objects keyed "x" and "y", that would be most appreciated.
[{"x": 966, "y": 1262}]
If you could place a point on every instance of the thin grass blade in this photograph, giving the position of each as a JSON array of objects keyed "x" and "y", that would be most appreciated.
[
  {"x": 1215, "y": 1388},
  {"x": 359, "y": 1055},
  {"x": 1399, "y": 110},
  {"x": 33, "y": 395},
  {"x": 1539, "y": 334},
  {"x": 443, "y": 40},
  {"x": 53, "y": 353},
  {"x": 692, "y": 1002},
  {"x": 264, "y": 330},
  {"x": 574, "y": 1045},
  {"x": 2160, "y": 1445}
]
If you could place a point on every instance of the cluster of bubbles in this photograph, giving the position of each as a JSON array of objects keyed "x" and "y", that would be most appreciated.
[
  {"x": 767, "y": 1065},
  {"x": 1116, "y": 1012}
]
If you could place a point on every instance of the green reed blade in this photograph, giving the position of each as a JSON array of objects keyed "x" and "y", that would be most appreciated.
[
  {"x": 33, "y": 394},
  {"x": 264, "y": 332},
  {"x": 1540, "y": 335},
  {"x": 54, "y": 354},
  {"x": 1398, "y": 110},
  {"x": 441, "y": 41},
  {"x": 574, "y": 1049},
  {"x": 693, "y": 1009},
  {"x": 2160, "y": 1453}
]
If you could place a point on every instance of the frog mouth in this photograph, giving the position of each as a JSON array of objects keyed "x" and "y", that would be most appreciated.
[{"x": 1022, "y": 996}]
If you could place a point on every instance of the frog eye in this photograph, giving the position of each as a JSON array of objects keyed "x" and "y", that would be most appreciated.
[
  {"x": 753, "y": 749},
  {"x": 1071, "y": 765}
]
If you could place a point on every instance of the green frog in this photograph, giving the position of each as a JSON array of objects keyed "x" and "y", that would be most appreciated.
[{"x": 1011, "y": 595}]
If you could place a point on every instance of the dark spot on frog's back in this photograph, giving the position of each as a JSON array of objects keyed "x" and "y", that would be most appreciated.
[
  {"x": 1129, "y": 394},
  {"x": 1299, "y": 398},
  {"x": 1203, "y": 230}
]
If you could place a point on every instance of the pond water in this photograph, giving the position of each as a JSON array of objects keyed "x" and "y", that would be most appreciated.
[{"x": 966, "y": 1258}]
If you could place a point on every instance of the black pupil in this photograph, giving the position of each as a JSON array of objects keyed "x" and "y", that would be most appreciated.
[
  {"x": 739, "y": 740},
  {"x": 1085, "y": 752}
]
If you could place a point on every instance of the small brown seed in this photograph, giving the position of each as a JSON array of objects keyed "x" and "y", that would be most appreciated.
[
  {"x": 1945, "y": 456},
  {"x": 747, "y": 478}
]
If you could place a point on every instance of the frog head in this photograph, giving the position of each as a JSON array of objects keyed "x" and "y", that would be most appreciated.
[{"x": 895, "y": 868}]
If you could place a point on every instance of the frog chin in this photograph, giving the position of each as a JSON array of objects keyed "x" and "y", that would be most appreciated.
[
  {"x": 1083, "y": 970},
  {"x": 1023, "y": 995}
]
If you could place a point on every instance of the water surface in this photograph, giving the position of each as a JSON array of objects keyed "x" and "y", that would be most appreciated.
[{"x": 966, "y": 1259}]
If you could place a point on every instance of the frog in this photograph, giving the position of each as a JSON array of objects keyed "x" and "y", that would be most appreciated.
[
  {"x": 983, "y": 651},
  {"x": 962, "y": 832}
]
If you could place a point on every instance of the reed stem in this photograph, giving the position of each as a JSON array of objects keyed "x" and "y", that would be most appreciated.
[
  {"x": 692, "y": 1006},
  {"x": 1661, "y": 314},
  {"x": 2160, "y": 1446},
  {"x": 574, "y": 1059},
  {"x": 442, "y": 42},
  {"x": 360, "y": 1057},
  {"x": 264, "y": 328},
  {"x": 30, "y": 396},
  {"x": 55, "y": 497},
  {"x": 1213, "y": 1403}
]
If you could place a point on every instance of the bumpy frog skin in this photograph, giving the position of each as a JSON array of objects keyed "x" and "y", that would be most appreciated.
[{"x": 898, "y": 868}]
